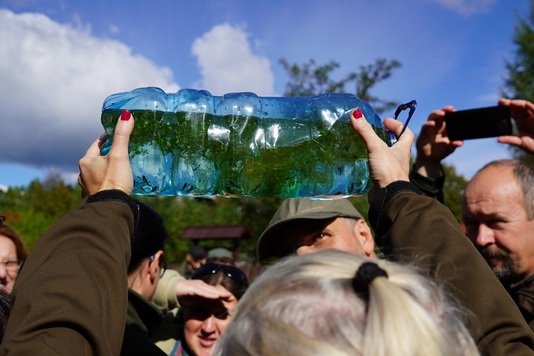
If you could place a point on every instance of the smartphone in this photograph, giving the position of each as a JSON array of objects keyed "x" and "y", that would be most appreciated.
[{"x": 491, "y": 121}]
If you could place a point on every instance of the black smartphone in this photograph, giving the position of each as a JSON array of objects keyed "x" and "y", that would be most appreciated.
[{"x": 469, "y": 124}]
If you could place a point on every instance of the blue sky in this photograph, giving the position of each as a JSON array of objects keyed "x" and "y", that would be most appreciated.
[{"x": 59, "y": 60}]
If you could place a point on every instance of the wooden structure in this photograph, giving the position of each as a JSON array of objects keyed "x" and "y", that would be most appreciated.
[{"x": 234, "y": 233}]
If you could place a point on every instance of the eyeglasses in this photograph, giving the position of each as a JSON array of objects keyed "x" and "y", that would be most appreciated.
[
  {"x": 11, "y": 266},
  {"x": 229, "y": 271},
  {"x": 162, "y": 264}
]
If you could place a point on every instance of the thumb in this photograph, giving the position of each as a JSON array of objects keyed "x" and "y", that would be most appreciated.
[
  {"x": 121, "y": 138},
  {"x": 365, "y": 130}
]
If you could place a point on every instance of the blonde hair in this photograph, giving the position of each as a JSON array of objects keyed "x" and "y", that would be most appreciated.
[{"x": 307, "y": 305}]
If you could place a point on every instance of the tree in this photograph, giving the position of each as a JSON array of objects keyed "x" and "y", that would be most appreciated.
[
  {"x": 453, "y": 191},
  {"x": 310, "y": 79},
  {"x": 519, "y": 83}
]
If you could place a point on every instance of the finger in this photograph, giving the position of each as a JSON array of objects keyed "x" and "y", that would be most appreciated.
[
  {"x": 101, "y": 140},
  {"x": 504, "y": 102},
  {"x": 123, "y": 130},
  {"x": 407, "y": 139},
  {"x": 94, "y": 149},
  {"x": 511, "y": 140}
]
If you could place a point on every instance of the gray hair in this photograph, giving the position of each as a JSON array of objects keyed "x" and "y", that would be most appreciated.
[{"x": 306, "y": 305}]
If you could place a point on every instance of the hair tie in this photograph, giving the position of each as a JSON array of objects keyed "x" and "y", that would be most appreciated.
[{"x": 365, "y": 274}]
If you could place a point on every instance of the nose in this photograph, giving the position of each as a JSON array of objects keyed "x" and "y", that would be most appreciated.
[
  {"x": 304, "y": 249},
  {"x": 3, "y": 271},
  {"x": 208, "y": 325},
  {"x": 484, "y": 236}
]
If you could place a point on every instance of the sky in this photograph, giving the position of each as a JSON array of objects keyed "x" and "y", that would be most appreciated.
[{"x": 60, "y": 59}]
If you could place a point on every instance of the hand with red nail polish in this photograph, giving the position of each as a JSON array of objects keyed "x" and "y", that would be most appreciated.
[
  {"x": 112, "y": 171},
  {"x": 387, "y": 164}
]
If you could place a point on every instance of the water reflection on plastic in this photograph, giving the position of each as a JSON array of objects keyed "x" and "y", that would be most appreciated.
[{"x": 192, "y": 143}]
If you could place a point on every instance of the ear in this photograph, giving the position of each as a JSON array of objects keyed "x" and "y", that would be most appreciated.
[
  {"x": 189, "y": 258},
  {"x": 153, "y": 267},
  {"x": 365, "y": 236}
]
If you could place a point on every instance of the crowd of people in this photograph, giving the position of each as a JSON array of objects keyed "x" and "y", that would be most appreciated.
[{"x": 97, "y": 281}]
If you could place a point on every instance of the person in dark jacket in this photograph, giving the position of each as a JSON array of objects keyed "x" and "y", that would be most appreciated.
[
  {"x": 498, "y": 202},
  {"x": 146, "y": 267}
]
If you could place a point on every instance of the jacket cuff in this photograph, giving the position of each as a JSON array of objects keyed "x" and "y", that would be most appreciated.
[
  {"x": 431, "y": 187},
  {"x": 384, "y": 196},
  {"x": 117, "y": 196}
]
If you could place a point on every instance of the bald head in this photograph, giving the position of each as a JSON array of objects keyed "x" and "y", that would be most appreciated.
[{"x": 497, "y": 209}]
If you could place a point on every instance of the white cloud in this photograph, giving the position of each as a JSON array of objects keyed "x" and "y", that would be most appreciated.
[
  {"x": 228, "y": 64},
  {"x": 54, "y": 80},
  {"x": 467, "y": 7}
]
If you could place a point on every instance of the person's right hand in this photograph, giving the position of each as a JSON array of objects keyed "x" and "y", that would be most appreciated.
[
  {"x": 387, "y": 164},
  {"x": 112, "y": 171},
  {"x": 190, "y": 289},
  {"x": 433, "y": 145}
]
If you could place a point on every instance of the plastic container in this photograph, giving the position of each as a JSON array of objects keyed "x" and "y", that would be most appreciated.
[{"x": 192, "y": 143}]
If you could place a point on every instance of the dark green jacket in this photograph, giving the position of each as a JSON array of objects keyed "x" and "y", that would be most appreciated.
[
  {"x": 142, "y": 319},
  {"x": 412, "y": 227},
  {"x": 522, "y": 292},
  {"x": 70, "y": 297}
]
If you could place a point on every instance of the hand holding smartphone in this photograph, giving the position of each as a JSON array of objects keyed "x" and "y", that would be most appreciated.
[{"x": 485, "y": 122}]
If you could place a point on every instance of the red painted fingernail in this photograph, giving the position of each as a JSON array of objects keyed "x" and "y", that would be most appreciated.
[
  {"x": 357, "y": 114},
  {"x": 125, "y": 115}
]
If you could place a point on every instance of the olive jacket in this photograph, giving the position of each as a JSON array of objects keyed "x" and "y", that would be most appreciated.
[
  {"x": 71, "y": 294},
  {"x": 521, "y": 292},
  {"x": 142, "y": 319},
  {"x": 411, "y": 227}
]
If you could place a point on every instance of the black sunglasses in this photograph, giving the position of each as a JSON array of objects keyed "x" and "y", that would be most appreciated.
[{"x": 229, "y": 271}]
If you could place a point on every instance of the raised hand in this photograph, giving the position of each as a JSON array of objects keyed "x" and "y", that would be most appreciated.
[
  {"x": 387, "y": 164},
  {"x": 189, "y": 290},
  {"x": 112, "y": 171},
  {"x": 522, "y": 112},
  {"x": 433, "y": 144}
]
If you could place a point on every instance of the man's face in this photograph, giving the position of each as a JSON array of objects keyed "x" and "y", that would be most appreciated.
[
  {"x": 336, "y": 233},
  {"x": 497, "y": 223}
]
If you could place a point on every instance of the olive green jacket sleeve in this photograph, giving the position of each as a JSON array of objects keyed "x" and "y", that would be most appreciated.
[
  {"x": 165, "y": 296},
  {"x": 71, "y": 295},
  {"x": 411, "y": 227}
]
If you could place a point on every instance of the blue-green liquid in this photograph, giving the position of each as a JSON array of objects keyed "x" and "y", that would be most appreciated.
[{"x": 189, "y": 154}]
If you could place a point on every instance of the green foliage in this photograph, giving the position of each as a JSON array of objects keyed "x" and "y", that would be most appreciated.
[
  {"x": 519, "y": 83},
  {"x": 32, "y": 210},
  {"x": 310, "y": 79},
  {"x": 453, "y": 190}
]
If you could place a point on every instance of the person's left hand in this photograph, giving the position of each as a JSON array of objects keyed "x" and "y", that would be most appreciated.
[
  {"x": 522, "y": 112},
  {"x": 433, "y": 145}
]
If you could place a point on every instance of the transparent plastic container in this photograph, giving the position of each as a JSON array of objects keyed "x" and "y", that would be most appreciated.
[{"x": 192, "y": 143}]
